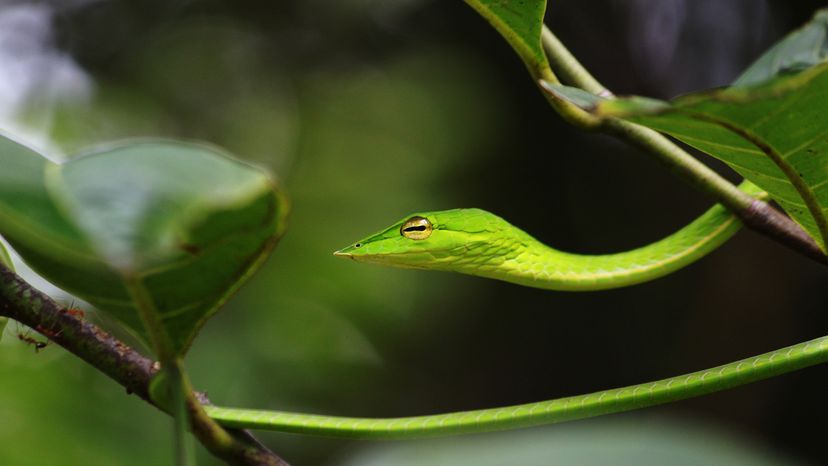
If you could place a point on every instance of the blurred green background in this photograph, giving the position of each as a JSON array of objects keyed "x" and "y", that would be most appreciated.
[{"x": 367, "y": 110}]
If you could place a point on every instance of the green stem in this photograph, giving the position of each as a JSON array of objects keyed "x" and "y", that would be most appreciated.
[
  {"x": 573, "y": 114},
  {"x": 672, "y": 156},
  {"x": 535, "y": 62},
  {"x": 220, "y": 442},
  {"x": 183, "y": 405},
  {"x": 145, "y": 306},
  {"x": 699, "y": 175},
  {"x": 754, "y": 213},
  {"x": 172, "y": 370},
  {"x": 184, "y": 450},
  {"x": 568, "y": 66}
]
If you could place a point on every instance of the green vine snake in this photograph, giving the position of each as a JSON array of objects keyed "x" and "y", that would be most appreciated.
[{"x": 476, "y": 242}]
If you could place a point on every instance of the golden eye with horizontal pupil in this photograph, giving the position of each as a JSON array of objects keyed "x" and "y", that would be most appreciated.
[{"x": 416, "y": 228}]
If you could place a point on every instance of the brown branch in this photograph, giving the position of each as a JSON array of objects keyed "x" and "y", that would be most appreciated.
[
  {"x": 25, "y": 304},
  {"x": 763, "y": 218}
]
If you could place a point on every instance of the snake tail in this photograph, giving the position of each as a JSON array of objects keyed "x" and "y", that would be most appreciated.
[{"x": 533, "y": 414}]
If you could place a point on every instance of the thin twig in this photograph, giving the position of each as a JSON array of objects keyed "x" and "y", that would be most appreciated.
[{"x": 25, "y": 304}]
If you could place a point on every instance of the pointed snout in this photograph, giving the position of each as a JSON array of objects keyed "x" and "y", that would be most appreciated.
[{"x": 348, "y": 251}]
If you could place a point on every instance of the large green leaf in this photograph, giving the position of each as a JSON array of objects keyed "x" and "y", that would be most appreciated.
[
  {"x": 801, "y": 49},
  {"x": 520, "y": 22},
  {"x": 166, "y": 228},
  {"x": 773, "y": 132}
]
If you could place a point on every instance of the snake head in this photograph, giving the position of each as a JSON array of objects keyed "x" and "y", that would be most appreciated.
[{"x": 440, "y": 240}]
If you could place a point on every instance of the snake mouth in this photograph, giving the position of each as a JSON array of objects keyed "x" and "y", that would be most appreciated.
[
  {"x": 349, "y": 251},
  {"x": 407, "y": 259}
]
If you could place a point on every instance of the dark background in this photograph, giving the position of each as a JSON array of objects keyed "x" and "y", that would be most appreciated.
[{"x": 367, "y": 110}]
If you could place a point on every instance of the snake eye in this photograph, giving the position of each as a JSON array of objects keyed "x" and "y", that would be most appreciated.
[{"x": 416, "y": 228}]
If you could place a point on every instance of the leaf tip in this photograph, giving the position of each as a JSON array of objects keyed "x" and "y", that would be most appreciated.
[{"x": 580, "y": 98}]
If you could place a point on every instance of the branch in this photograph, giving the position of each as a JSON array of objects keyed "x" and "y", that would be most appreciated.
[
  {"x": 756, "y": 214},
  {"x": 25, "y": 304}
]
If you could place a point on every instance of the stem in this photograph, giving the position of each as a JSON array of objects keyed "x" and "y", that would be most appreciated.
[
  {"x": 25, "y": 304},
  {"x": 757, "y": 214},
  {"x": 176, "y": 390},
  {"x": 761, "y": 217},
  {"x": 180, "y": 391},
  {"x": 144, "y": 305},
  {"x": 568, "y": 66},
  {"x": 535, "y": 63},
  {"x": 573, "y": 114},
  {"x": 681, "y": 163}
]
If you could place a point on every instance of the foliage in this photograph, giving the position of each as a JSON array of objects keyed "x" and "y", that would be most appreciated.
[
  {"x": 227, "y": 216},
  {"x": 177, "y": 223},
  {"x": 773, "y": 134},
  {"x": 520, "y": 25},
  {"x": 769, "y": 126}
]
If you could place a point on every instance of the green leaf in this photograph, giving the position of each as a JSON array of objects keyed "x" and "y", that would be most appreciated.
[
  {"x": 520, "y": 22},
  {"x": 157, "y": 233},
  {"x": 594, "y": 103},
  {"x": 799, "y": 50},
  {"x": 774, "y": 133}
]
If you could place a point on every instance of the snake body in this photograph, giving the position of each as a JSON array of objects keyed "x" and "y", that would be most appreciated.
[
  {"x": 531, "y": 414},
  {"x": 476, "y": 242}
]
